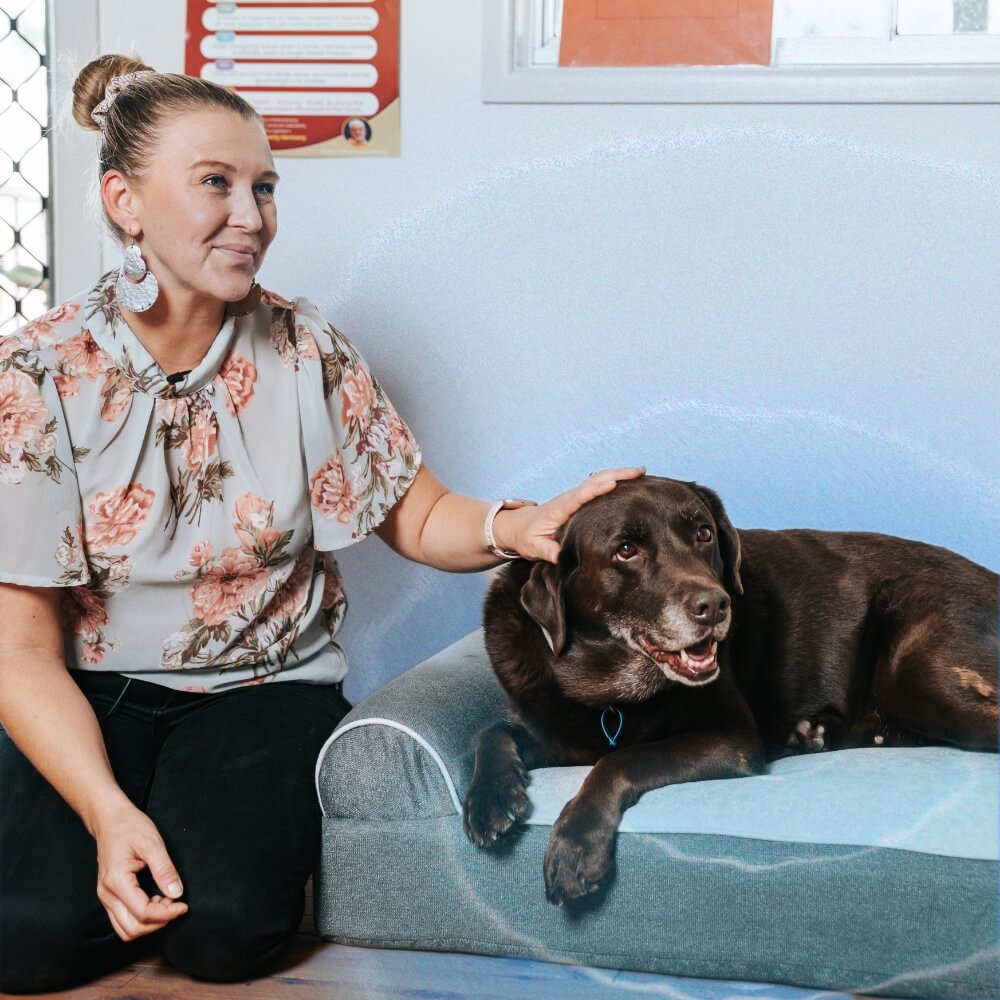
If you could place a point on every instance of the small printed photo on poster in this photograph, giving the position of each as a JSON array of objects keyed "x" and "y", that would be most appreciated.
[{"x": 357, "y": 131}]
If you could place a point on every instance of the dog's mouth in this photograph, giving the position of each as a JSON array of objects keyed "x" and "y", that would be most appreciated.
[{"x": 697, "y": 663}]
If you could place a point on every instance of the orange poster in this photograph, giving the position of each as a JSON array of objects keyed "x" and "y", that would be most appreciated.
[{"x": 666, "y": 33}]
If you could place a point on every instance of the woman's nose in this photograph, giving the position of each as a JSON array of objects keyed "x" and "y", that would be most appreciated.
[{"x": 245, "y": 212}]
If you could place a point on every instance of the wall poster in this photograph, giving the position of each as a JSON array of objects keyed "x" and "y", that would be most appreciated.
[{"x": 324, "y": 76}]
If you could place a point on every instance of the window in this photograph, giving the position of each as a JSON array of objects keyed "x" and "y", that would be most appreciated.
[
  {"x": 887, "y": 32},
  {"x": 913, "y": 51},
  {"x": 24, "y": 163}
]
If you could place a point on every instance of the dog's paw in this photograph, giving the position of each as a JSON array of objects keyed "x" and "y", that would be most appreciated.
[
  {"x": 808, "y": 737},
  {"x": 578, "y": 859},
  {"x": 493, "y": 804}
]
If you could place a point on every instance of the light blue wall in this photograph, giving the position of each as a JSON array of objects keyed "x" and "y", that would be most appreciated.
[{"x": 795, "y": 305}]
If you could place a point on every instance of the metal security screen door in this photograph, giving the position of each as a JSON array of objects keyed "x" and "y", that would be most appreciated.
[{"x": 24, "y": 163}]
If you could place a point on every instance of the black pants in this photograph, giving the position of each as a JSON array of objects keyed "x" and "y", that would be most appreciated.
[{"x": 228, "y": 779}]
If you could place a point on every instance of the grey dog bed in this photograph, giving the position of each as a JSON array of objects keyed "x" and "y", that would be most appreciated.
[{"x": 871, "y": 870}]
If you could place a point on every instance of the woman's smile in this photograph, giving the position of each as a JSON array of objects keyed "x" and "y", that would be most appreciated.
[{"x": 238, "y": 253}]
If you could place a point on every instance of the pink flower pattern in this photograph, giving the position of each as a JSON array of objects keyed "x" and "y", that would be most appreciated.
[
  {"x": 84, "y": 612},
  {"x": 117, "y": 517},
  {"x": 290, "y": 598},
  {"x": 117, "y": 395},
  {"x": 238, "y": 375},
  {"x": 41, "y": 332},
  {"x": 201, "y": 554},
  {"x": 401, "y": 437},
  {"x": 67, "y": 386},
  {"x": 305, "y": 344},
  {"x": 23, "y": 413},
  {"x": 83, "y": 356},
  {"x": 258, "y": 595},
  {"x": 203, "y": 438},
  {"x": 92, "y": 652},
  {"x": 331, "y": 492},
  {"x": 358, "y": 398},
  {"x": 230, "y": 582}
]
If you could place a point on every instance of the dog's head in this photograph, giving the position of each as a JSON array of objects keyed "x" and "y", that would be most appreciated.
[{"x": 651, "y": 564}]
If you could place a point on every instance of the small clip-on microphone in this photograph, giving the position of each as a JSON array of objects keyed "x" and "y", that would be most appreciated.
[{"x": 178, "y": 377}]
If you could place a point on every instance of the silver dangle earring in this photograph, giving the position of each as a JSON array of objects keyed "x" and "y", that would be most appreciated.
[{"x": 136, "y": 288}]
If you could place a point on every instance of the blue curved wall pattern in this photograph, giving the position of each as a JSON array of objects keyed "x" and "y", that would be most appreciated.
[{"x": 804, "y": 324}]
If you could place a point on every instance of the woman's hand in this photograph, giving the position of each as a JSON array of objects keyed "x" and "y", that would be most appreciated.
[
  {"x": 127, "y": 842},
  {"x": 530, "y": 531},
  {"x": 432, "y": 525}
]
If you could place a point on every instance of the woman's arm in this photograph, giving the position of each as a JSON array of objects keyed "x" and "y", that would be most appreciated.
[
  {"x": 432, "y": 525},
  {"x": 47, "y": 715}
]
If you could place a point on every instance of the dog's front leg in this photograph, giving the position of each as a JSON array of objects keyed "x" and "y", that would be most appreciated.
[
  {"x": 579, "y": 857},
  {"x": 497, "y": 797}
]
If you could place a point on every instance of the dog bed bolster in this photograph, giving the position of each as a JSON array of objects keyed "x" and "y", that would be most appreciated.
[{"x": 871, "y": 870}]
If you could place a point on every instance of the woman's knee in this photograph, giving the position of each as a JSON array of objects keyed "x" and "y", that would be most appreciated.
[
  {"x": 45, "y": 947},
  {"x": 226, "y": 940}
]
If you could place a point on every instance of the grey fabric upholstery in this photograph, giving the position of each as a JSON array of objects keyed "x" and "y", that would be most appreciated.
[{"x": 902, "y": 903}]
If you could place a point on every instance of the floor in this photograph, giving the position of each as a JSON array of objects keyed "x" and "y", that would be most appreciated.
[{"x": 316, "y": 969}]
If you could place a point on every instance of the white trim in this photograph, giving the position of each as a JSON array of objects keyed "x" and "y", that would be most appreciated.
[
  {"x": 435, "y": 756},
  {"x": 546, "y": 29},
  {"x": 914, "y": 50},
  {"x": 511, "y": 76},
  {"x": 75, "y": 257}
]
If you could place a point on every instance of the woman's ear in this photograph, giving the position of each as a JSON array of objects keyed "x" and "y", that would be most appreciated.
[{"x": 120, "y": 202}]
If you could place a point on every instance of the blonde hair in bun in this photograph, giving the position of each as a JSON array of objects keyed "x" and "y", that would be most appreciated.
[{"x": 133, "y": 122}]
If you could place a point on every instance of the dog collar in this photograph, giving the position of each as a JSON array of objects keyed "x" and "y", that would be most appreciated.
[{"x": 612, "y": 740}]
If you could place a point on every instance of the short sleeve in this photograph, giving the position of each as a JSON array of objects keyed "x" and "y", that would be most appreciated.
[
  {"x": 360, "y": 455},
  {"x": 40, "y": 508}
]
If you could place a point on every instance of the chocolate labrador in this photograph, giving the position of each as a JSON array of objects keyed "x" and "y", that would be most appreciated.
[{"x": 665, "y": 646}]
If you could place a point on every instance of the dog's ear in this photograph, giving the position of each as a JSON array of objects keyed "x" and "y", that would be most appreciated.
[
  {"x": 542, "y": 597},
  {"x": 729, "y": 537}
]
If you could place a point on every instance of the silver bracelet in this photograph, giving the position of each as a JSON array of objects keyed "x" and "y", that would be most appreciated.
[{"x": 507, "y": 504}]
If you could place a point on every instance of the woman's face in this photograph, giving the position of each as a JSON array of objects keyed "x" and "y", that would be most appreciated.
[{"x": 206, "y": 205}]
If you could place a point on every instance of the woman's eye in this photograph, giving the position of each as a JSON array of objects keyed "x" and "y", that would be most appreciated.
[
  {"x": 626, "y": 551},
  {"x": 704, "y": 534},
  {"x": 217, "y": 182},
  {"x": 263, "y": 192}
]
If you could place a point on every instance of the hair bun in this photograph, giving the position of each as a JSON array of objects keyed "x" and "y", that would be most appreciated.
[{"x": 92, "y": 81}]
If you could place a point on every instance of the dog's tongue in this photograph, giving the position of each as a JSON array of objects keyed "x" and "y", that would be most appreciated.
[
  {"x": 700, "y": 650},
  {"x": 695, "y": 662}
]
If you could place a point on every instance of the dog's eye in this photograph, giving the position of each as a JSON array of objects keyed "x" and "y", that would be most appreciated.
[
  {"x": 704, "y": 533},
  {"x": 626, "y": 551}
]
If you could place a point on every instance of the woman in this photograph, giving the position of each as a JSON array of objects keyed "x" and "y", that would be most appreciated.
[{"x": 180, "y": 454}]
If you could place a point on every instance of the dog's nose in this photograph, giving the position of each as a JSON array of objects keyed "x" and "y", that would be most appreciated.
[{"x": 708, "y": 607}]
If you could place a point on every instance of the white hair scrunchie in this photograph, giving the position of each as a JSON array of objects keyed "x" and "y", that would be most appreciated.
[{"x": 115, "y": 86}]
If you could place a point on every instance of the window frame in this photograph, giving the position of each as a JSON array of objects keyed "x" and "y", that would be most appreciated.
[
  {"x": 510, "y": 75},
  {"x": 76, "y": 241}
]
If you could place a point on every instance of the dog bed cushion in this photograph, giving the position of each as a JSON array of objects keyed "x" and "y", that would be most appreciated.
[{"x": 863, "y": 870}]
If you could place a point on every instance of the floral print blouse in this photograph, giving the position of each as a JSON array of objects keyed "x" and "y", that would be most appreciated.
[{"x": 192, "y": 524}]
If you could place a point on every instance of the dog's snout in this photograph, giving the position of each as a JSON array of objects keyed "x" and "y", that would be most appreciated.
[{"x": 708, "y": 607}]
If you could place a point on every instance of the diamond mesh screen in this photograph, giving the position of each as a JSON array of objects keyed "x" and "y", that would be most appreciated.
[{"x": 24, "y": 163}]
